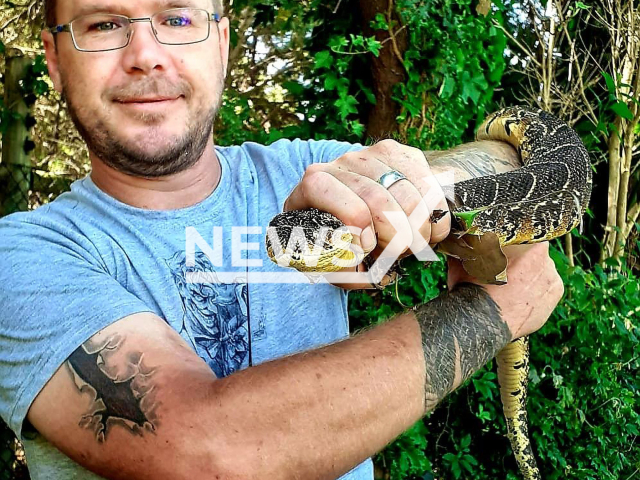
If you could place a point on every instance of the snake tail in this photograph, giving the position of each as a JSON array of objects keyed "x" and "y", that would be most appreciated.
[{"x": 513, "y": 370}]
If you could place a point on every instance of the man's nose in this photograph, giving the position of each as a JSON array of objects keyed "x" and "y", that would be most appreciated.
[{"x": 144, "y": 53}]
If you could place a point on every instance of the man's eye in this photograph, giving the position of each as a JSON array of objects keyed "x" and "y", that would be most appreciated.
[
  {"x": 103, "y": 26},
  {"x": 178, "y": 21}
]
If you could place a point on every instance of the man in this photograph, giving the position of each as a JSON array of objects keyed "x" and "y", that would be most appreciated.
[{"x": 115, "y": 364}]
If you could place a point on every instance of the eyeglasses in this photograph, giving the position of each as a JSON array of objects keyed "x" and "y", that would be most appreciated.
[{"x": 101, "y": 32}]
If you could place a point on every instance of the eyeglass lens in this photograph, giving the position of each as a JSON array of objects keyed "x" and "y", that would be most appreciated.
[{"x": 107, "y": 32}]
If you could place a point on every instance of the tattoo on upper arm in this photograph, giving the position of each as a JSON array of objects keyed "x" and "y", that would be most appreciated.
[
  {"x": 120, "y": 384},
  {"x": 461, "y": 332}
]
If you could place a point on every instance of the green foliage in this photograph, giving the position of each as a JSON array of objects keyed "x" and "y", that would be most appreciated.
[
  {"x": 333, "y": 72},
  {"x": 583, "y": 392},
  {"x": 405, "y": 458},
  {"x": 454, "y": 62},
  {"x": 460, "y": 462}
]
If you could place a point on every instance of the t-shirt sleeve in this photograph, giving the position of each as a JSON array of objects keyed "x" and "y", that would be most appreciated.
[{"x": 55, "y": 295}]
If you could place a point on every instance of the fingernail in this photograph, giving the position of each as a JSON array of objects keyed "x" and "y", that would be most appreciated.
[{"x": 368, "y": 239}]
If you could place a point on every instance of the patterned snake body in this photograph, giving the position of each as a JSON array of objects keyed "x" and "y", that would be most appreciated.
[{"x": 543, "y": 200}]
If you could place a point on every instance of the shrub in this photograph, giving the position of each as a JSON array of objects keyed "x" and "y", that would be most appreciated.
[{"x": 583, "y": 391}]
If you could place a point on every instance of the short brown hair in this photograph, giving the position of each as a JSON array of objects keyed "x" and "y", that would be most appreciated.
[{"x": 51, "y": 20}]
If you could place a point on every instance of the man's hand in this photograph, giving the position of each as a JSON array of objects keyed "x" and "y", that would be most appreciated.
[
  {"x": 533, "y": 290},
  {"x": 348, "y": 188}
]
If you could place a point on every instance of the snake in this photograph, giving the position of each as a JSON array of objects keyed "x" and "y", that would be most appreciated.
[{"x": 544, "y": 199}]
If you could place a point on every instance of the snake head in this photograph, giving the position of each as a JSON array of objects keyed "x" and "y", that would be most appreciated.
[{"x": 310, "y": 241}]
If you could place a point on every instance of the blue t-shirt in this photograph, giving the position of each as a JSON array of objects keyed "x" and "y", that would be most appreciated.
[{"x": 86, "y": 260}]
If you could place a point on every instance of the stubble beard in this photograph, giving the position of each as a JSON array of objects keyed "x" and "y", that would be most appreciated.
[{"x": 181, "y": 152}]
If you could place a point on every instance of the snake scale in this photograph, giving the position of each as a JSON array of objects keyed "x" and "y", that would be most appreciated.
[{"x": 544, "y": 199}]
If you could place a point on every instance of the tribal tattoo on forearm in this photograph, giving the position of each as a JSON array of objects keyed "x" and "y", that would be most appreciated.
[
  {"x": 120, "y": 384},
  {"x": 461, "y": 331}
]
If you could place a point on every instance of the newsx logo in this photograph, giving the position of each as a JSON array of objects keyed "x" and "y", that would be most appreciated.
[{"x": 419, "y": 247}]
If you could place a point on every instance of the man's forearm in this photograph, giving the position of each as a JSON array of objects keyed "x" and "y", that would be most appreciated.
[
  {"x": 474, "y": 159},
  {"x": 318, "y": 414}
]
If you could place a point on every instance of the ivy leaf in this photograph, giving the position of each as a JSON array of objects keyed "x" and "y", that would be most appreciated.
[
  {"x": 469, "y": 90},
  {"x": 357, "y": 128},
  {"x": 380, "y": 23},
  {"x": 337, "y": 43},
  {"x": 324, "y": 59},
  {"x": 374, "y": 46},
  {"x": 367, "y": 92},
  {"x": 357, "y": 41},
  {"x": 330, "y": 82},
  {"x": 446, "y": 90},
  {"x": 346, "y": 106},
  {"x": 622, "y": 110}
]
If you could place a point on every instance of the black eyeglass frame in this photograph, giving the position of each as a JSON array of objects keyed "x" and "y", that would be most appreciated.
[{"x": 67, "y": 28}]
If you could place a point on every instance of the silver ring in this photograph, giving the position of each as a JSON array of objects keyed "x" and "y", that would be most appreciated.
[{"x": 389, "y": 178}]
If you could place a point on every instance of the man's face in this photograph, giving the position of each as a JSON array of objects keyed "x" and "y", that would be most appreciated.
[{"x": 147, "y": 109}]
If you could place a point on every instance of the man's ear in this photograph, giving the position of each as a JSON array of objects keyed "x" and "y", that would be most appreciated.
[
  {"x": 51, "y": 54},
  {"x": 223, "y": 36}
]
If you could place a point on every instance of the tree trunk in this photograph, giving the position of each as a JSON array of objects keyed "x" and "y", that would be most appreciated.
[
  {"x": 387, "y": 70},
  {"x": 15, "y": 169}
]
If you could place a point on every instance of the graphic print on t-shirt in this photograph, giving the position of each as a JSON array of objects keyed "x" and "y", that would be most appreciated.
[{"x": 215, "y": 315}]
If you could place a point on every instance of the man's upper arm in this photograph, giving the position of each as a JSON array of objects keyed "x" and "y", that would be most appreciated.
[
  {"x": 85, "y": 361},
  {"x": 119, "y": 404}
]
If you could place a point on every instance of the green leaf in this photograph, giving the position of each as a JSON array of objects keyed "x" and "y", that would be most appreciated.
[
  {"x": 330, "y": 81},
  {"x": 448, "y": 85},
  {"x": 621, "y": 109},
  {"x": 469, "y": 459},
  {"x": 371, "y": 98},
  {"x": 467, "y": 217},
  {"x": 356, "y": 128},
  {"x": 346, "y": 106},
  {"x": 611, "y": 85},
  {"x": 380, "y": 22},
  {"x": 338, "y": 43},
  {"x": 294, "y": 87},
  {"x": 324, "y": 59},
  {"x": 2, "y": 48},
  {"x": 357, "y": 41},
  {"x": 374, "y": 46}
]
